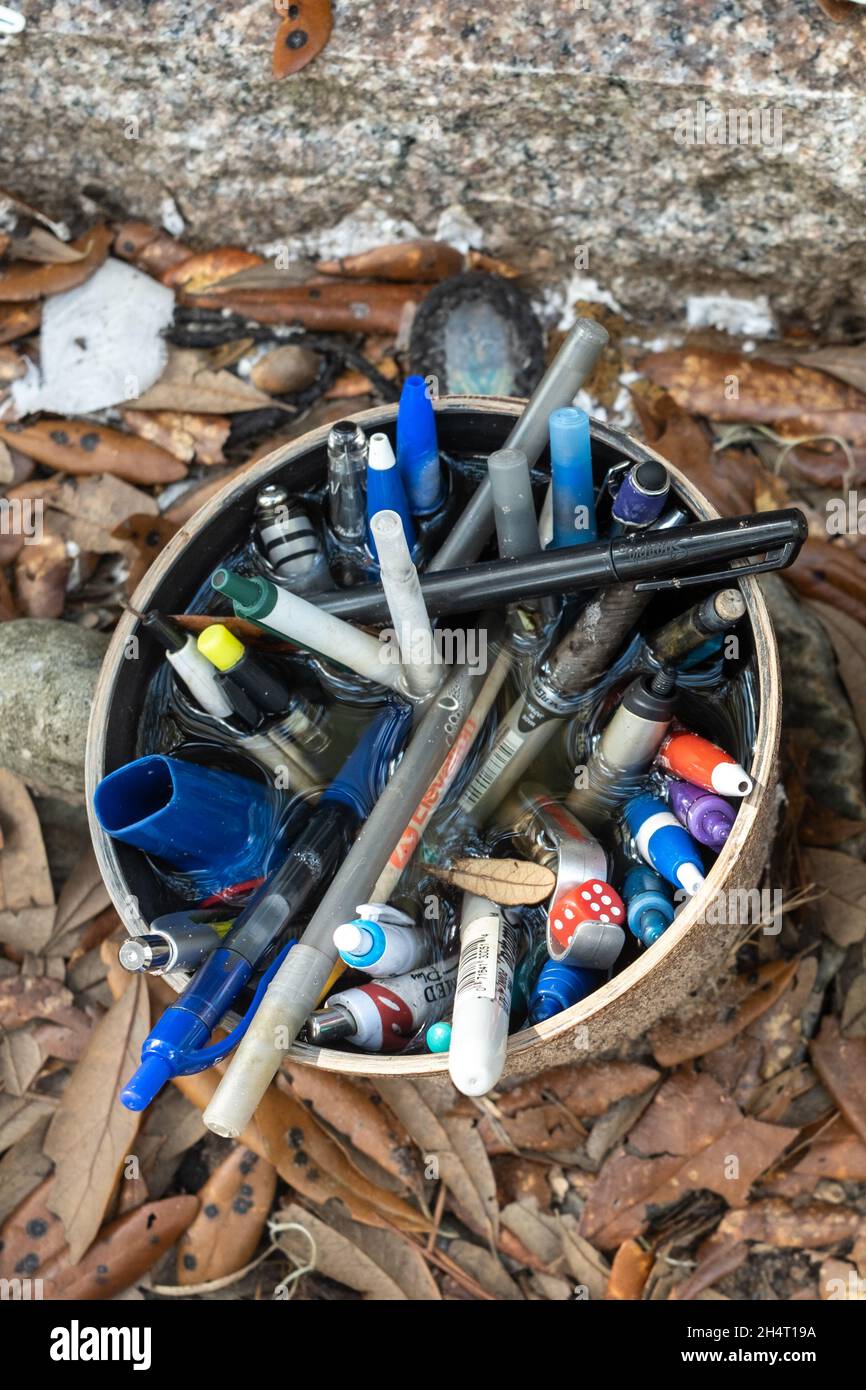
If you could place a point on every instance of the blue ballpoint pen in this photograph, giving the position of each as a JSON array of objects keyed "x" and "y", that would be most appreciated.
[{"x": 175, "y": 1046}]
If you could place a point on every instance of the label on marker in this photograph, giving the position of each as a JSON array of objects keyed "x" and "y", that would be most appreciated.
[
  {"x": 508, "y": 746},
  {"x": 487, "y": 958}
]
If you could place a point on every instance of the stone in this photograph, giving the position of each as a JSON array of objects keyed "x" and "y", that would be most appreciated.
[
  {"x": 663, "y": 150},
  {"x": 49, "y": 676}
]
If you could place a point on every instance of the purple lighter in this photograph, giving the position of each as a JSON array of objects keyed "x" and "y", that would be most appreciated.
[{"x": 708, "y": 818}]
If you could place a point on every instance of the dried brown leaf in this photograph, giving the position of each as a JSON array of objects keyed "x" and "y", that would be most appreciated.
[
  {"x": 334, "y": 306},
  {"x": 23, "y": 1167},
  {"x": 79, "y": 446},
  {"x": 305, "y": 1156},
  {"x": 185, "y": 435},
  {"x": 742, "y": 999},
  {"x": 92, "y": 1132},
  {"x": 423, "y": 261},
  {"x": 286, "y": 369},
  {"x": 148, "y": 535},
  {"x": 629, "y": 1272},
  {"x": 149, "y": 248},
  {"x": 302, "y": 35},
  {"x": 41, "y": 575},
  {"x": 32, "y": 1236},
  {"x": 486, "y": 1269},
  {"x": 235, "y": 1204},
  {"x": 509, "y": 882},
  {"x": 82, "y": 897},
  {"x": 793, "y": 400},
  {"x": 381, "y": 1265},
  {"x": 26, "y": 892},
  {"x": 21, "y": 281},
  {"x": 453, "y": 1144},
  {"x": 19, "y": 1114},
  {"x": 682, "y": 1143},
  {"x": 841, "y": 880},
  {"x": 841, "y": 1064},
  {"x": 44, "y": 247},
  {"x": 849, "y": 643},
  {"x": 190, "y": 385},
  {"x": 124, "y": 1251},
  {"x": 24, "y": 997},
  {"x": 775, "y": 1222},
  {"x": 206, "y": 268},
  {"x": 352, "y": 1111},
  {"x": 21, "y": 1059},
  {"x": 17, "y": 320}
]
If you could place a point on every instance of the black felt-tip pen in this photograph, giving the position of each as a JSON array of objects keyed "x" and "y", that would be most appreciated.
[{"x": 649, "y": 560}]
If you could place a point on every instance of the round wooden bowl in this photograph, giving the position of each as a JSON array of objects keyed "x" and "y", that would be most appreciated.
[{"x": 660, "y": 978}]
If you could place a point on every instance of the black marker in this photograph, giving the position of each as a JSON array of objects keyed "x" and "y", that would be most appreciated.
[{"x": 650, "y": 560}]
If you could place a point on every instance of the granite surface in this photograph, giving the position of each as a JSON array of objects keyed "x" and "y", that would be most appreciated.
[{"x": 562, "y": 135}]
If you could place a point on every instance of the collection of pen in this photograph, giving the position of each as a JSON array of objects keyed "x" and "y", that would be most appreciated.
[{"x": 318, "y": 869}]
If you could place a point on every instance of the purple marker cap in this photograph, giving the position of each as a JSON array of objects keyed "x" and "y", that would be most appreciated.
[
  {"x": 642, "y": 494},
  {"x": 707, "y": 817}
]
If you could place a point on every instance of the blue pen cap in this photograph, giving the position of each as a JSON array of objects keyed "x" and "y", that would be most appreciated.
[
  {"x": 574, "y": 519},
  {"x": 385, "y": 490},
  {"x": 364, "y": 773},
  {"x": 375, "y": 952},
  {"x": 418, "y": 447},
  {"x": 666, "y": 846},
  {"x": 558, "y": 987},
  {"x": 649, "y": 906},
  {"x": 193, "y": 817}
]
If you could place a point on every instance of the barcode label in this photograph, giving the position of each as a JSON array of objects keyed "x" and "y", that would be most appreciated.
[
  {"x": 506, "y": 748},
  {"x": 487, "y": 960}
]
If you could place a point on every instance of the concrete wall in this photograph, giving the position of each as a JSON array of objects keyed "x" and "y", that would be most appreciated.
[{"x": 546, "y": 131}]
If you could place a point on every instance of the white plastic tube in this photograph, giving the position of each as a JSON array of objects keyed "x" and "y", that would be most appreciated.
[
  {"x": 409, "y": 618},
  {"x": 482, "y": 1001},
  {"x": 293, "y": 617}
]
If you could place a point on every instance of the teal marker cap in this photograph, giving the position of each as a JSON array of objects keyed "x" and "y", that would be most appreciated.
[
  {"x": 252, "y": 597},
  {"x": 438, "y": 1037}
]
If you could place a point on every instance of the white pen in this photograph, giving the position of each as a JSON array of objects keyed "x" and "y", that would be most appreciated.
[{"x": 482, "y": 1002}]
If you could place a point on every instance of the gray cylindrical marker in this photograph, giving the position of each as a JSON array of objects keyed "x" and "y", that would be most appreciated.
[
  {"x": 516, "y": 524},
  {"x": 563, "y": 379},
  {"x": 513, "y": 505},
  {"x": 625, "y": 750}
]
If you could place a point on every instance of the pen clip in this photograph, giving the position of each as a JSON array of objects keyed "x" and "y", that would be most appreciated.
[{"x": 777, "y": 559}]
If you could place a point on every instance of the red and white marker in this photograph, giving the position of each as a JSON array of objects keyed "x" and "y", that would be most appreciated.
[{"x": 696, "y": 760}]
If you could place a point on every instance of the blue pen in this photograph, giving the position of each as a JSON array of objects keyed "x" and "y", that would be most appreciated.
[
  {"x": 418, "y": 448},
  {"x": 571, "y": 472},
  {"x": 664, "y": 844},
  {"x": 175, "y": 1046},
  {"x": 558, "y": 987},
  {"x": 385, "y": 490},
  {"x": 648, "y": 902}
]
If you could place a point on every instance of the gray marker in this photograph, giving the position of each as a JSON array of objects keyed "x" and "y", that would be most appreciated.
[{"x": 625, "y": 750}]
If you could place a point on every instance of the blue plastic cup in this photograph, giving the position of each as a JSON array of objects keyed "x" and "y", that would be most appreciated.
[{"x": 195, "y": 818}]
